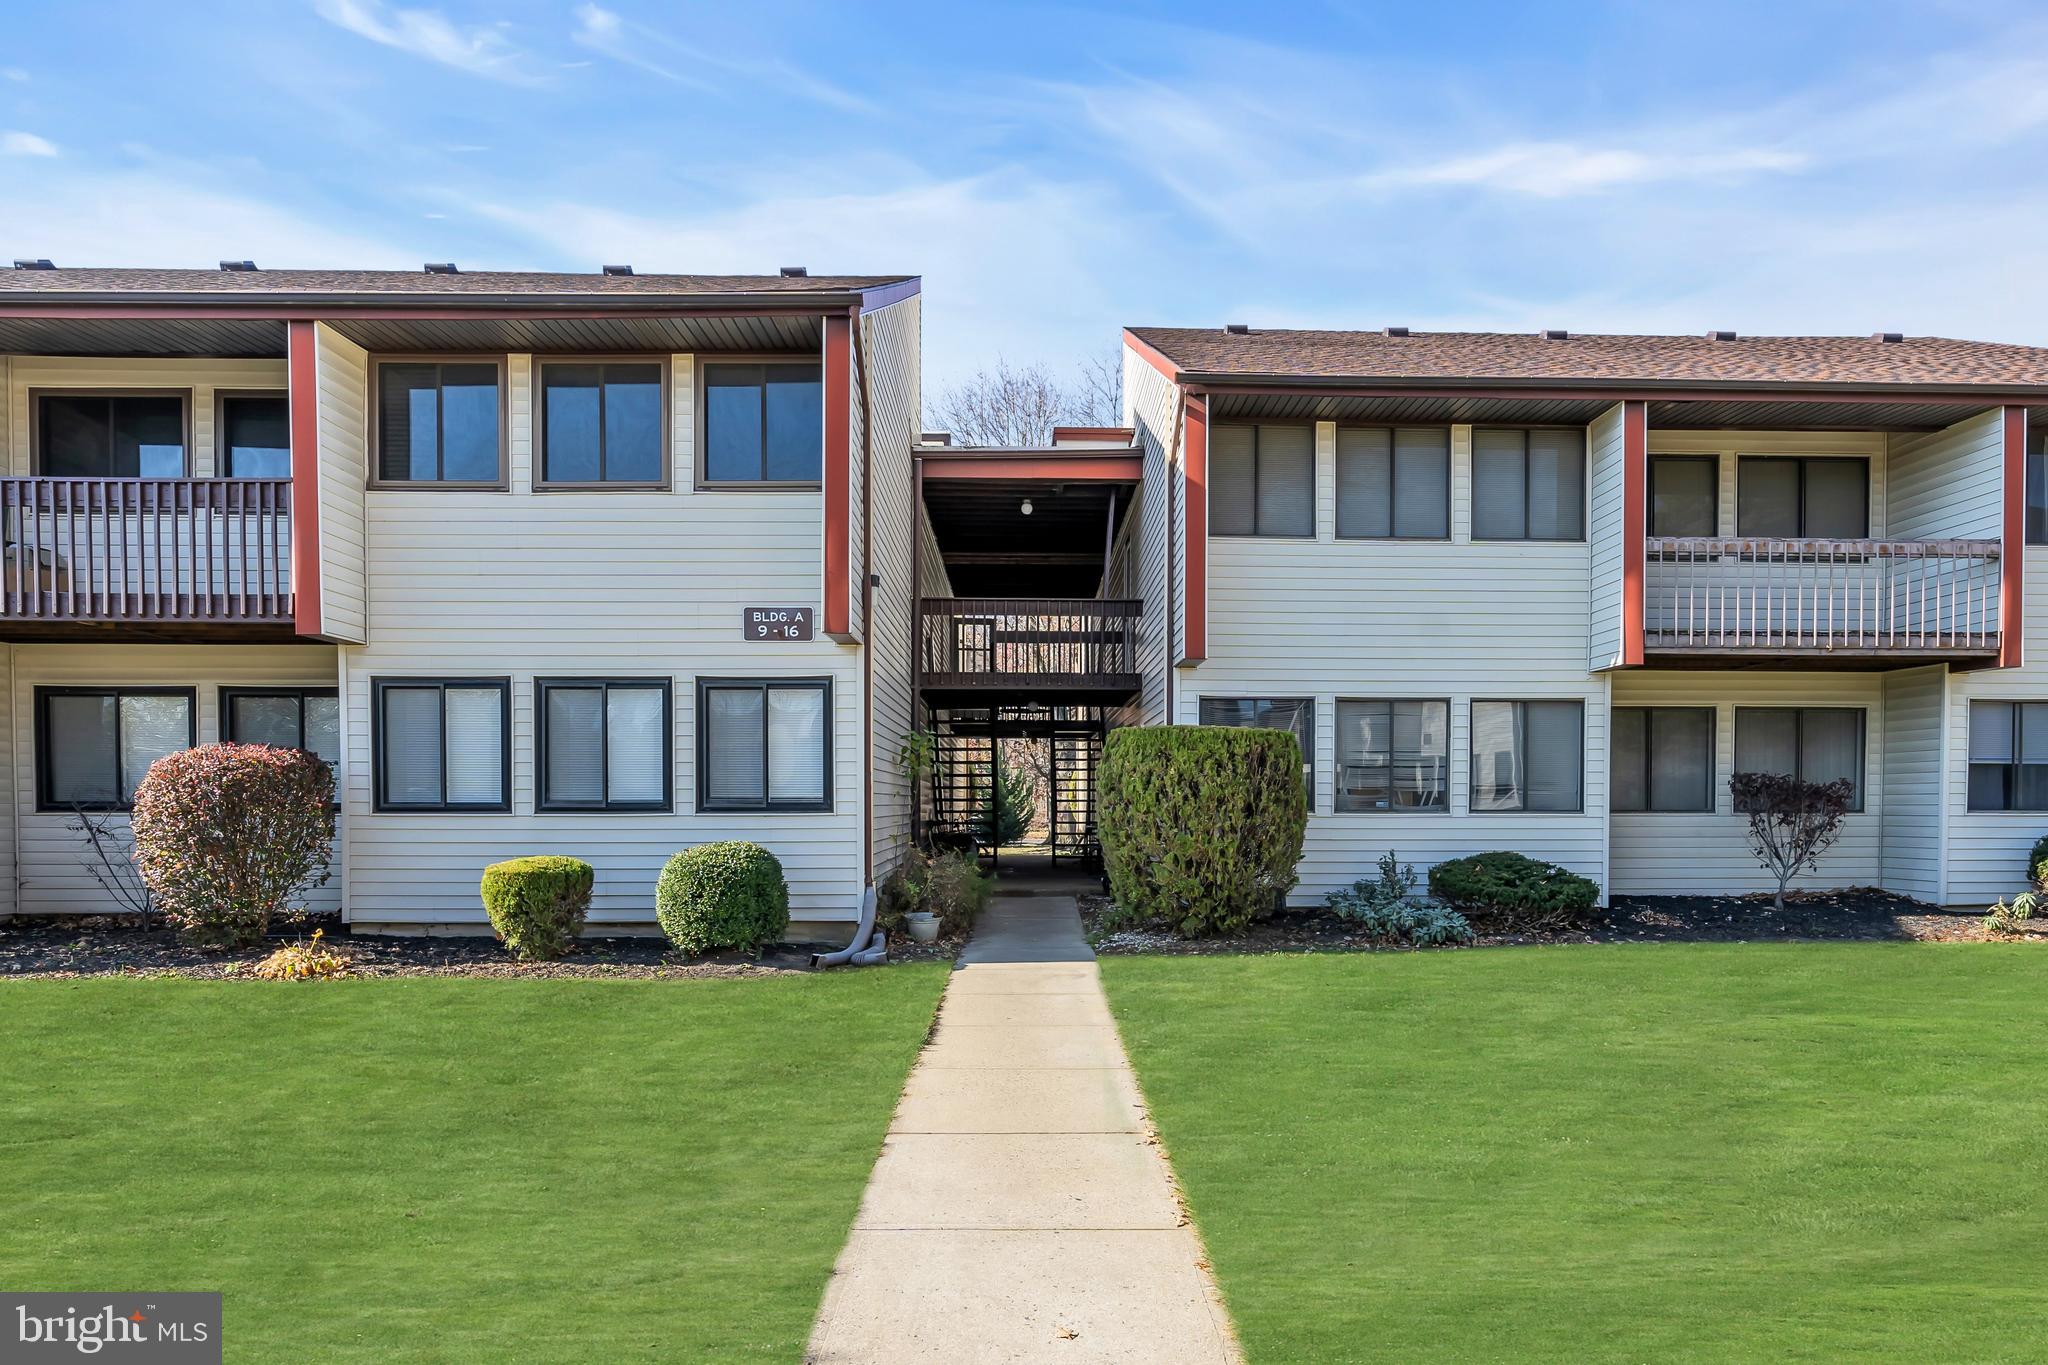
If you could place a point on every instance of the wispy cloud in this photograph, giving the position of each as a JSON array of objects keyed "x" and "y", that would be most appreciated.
[
  {"x": 481, "y": 50},
  {"x": 1556, "y": 170},
  {"x": 649, "y": 49},
  {"x": 13, "y": 73},
  {"x": 25, "y": 144}
]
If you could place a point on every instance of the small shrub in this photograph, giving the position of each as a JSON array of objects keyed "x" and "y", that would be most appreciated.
[
  {"x": 1791, "y": 823},
  {"x": 226, "y": 835},
  {"x": 1513, "y": 893},
  {"x": 1201, "y": 825},
  {"x": 1396, "y": 883},
  {"x": 538, "y": 904},
  {"x": 724, "y": 895},
  {"x": 1382, "y": 909},
  {"x": 309, "y": 961},
  {"x": 2005, "y": 921},
  {"x": 956, "y": 890},
  {"x": 902, "y": 892}
]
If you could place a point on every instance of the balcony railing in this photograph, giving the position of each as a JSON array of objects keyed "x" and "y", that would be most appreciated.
[
  {"x": 982, "y": 642},
  {"x": 1924, "y": 597},
  {"x": 146, "y": 550}
]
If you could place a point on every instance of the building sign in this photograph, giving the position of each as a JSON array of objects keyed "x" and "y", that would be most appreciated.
[{"x": 775, "y": 623}]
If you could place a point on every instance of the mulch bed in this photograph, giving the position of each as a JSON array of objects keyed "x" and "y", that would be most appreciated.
[
  {"x": 72, "y": 947},
  {"x": 1861, "y": 913}
]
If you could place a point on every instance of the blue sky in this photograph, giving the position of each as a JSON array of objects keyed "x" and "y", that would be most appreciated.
[{"x": 1057, "y": 172}]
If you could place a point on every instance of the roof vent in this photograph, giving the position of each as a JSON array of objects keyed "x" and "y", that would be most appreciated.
[
  {"x": 1397, "y": 331},
  {"x": 618, "y": 270},
  {"x": 238, "y": 266},
  {"x": 1887, "y": 336},
  {"x": 1555, "y": 334},
  {"x": 795, "y": 272},
  {"x": 40, "y": 263},
  {"x": 1238, "y": 329},
  {"x": 935, "y": 438},
  {"x": 1720, "y": 336},
  {"x": 442, "y": 268}
]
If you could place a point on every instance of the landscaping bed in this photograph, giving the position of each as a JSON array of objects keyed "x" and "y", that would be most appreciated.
[{"x": 1860, "y": 913}]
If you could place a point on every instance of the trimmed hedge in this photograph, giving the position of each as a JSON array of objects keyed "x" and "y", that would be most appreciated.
[
  {"x": 1201, "y": 825},
  {"x": 1512, "y": 892},
  {"x": 537, "y": 904},
  {"x": 724, "y": 895}
]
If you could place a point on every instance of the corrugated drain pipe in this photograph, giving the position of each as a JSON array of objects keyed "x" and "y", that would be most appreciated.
[{"x": 859, "y": 951}]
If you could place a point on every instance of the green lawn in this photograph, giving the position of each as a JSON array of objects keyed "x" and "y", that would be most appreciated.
[
  {"x": 455, "y": 1170},
  {"x": 1627, "y": 1153}
]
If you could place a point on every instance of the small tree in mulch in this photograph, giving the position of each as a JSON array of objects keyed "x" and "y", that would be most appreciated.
[{"x": 1791, "y": 823}]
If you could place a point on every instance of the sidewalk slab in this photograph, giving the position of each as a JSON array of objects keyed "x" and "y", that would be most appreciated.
[
  {"x": 1027, "y": 1045},
  {"x": 1018, "y": 1180},
  {"x": 1050, "y": 1009},
  {"x": 1006, "y": 1100}
]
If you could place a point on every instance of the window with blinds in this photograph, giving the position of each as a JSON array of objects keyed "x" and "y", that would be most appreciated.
[
  {"x": 1685, "y": 495},
  {"x": 1262, "y": 481},
  {"x": 438, "y": 422},
  {"x": 604, "y": 744},
  {"x": 2008, "y": 755},
  {"x": 764, "y": 744},
  {"x": 306, "y": 718},
  {"x": 1528, "y": 484},
  {"x": 1780, "y": 497},
  {"x": 1812, "y": 743},
  {"x": 1393, "y": 755},
  {"x": 1528, "y": 756},
  {"x": 442, "y": 745},
  {"x": 1295, "y": 715},
  {"x": 94, "y": 744},
  {"x": 1393, "y": 482},
  {"x": 1663, "y": 759}
]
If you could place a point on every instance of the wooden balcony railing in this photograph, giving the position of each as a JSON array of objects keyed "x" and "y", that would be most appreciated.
[
  {"x": 146, "y": 550},
  {"x": 966, "y": 642},
  {"x": 1926, "y": 597}
]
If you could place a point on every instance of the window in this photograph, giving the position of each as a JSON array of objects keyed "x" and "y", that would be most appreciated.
[
  {"x": 1811, "y": 743},
  {"x": 1295, "y": 715},
  {"x": 602, "y": 423},
  {"x": 764, "y": 423},
  {"x": 94, "y": 744},
  {"x": 1778, "y": 497},
  {"x": 1262, "y": 481},
  {"x": 1528, "y": 485},
  {"x": 255, "y": 436},
  {"x": 1685, "y": 495},
  {"x": 1394, "y": 482},
  {"x": 764, "y": 745},
  {"x": 110, "y": 436},
  {"x": 2008, "y": 755},
  {"x": 1528, "y": 755},
  {"x": 306, "y": 718},
  {"x": 2037, "y": 487},
  {"x": 439, "y": 423},
  {"x": 1663, "y": 759},
  {"x": 604, "y": 743},
  {"x": 443, "y": 745},
  {"x": 1393, "y": 755}
]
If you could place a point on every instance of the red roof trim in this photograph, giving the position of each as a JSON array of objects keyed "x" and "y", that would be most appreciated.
[
  {"x": 303, "y": 407},
  {"x": 1075, "y": 467},
  {"x": 1152, "y": 355},
  {"x": 1989, "y": 395}
]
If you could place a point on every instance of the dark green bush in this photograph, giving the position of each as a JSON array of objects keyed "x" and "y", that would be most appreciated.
[
  {"x": 1513, "y": 893},
  {"x": 1201, "y": 825},
  {"x": 2036, "y": 874},
  {"x": 725, "y": 895},
  {"x": 537, "y": 904}
]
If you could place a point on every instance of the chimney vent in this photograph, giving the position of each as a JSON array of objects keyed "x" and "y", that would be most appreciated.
[
  {"x": 39, "y": 263},
  {"x": 442, "y": 268},
  {"x": 1720, "y": 336},
  {"x": 795, "y": 272},
  {"x": 1397, "y": 331},
  {"x": 1888, "y": 336},
  {"x": 1556, "y": 334},
  {"x": 1238, "y": 329},
  {"x": 618, "y": 270},
  {"x": 238, "y": 266}
]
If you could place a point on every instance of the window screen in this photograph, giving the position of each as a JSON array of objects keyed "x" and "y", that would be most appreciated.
[
  {"x": 601, "y": 423},
  {"x": 1393, "y": 482},
  {"x": 2008, "y": 755},
  {"x": 1663, "y": 759},
  {"x": 1685, "y": 495},
  {"x": 123, "y": 436},
  {"x": 438, "y": 423},
  {"x": 1528, "y": 755},
  {"x": 604, "y": 744},
  {"x": 764, "y": 423},
  {"x": 96, "y": 743},
  {"x": 1393, "y": 755},
  {"x": 1783, "y": 498},
  {"x": 441, "y": 745},
  {"x": 1812, "y": 743},
  {"x": 1262, "y": 481},
  {"x": 764, "y": 745},
  {"x": 1528, "y": 484}
]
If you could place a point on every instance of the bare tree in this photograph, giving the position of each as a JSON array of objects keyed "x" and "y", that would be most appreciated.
[
  {"x": 1006, "y": 406},
  {"x": 108, "y": 859},
  {"x": 1097, "y": 398}
]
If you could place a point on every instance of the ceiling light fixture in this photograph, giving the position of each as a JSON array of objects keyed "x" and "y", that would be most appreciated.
[{"x": 1026, "y": 507}]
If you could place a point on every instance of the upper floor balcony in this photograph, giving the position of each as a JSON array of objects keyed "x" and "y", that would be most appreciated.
[{"x": 1075, "y": 650}]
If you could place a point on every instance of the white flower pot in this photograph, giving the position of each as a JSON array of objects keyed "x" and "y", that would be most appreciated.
[{"x": 923, "y": 926}]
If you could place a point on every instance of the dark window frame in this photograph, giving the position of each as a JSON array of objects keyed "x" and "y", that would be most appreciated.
[
  {"x": 221, "y": 399},
  {"x": 701, "y": 418},
  {"x": 2037, "y": 488},
  {"x": 1521, "y": 759},
  {"x": 543, "y": 802},
  {"x": 660, "y": 484},
  {"x": 1528, "y": 505},
  {"x": 1308, "y": 756},
  {"x": 1802, "y": 461},
  {"x": 1713, "y": 715},
  {"x": 2015, "y": 707},
  {"x": 1393, "y": 483},
  {"x": 45, "y": 803},
  {"x": 228, "y": 696},
  {"x": 1713, "y": 462},
  {"x": 767, "y": 805},
  {"x": 35, "y": 419},
  {"x": 380, "y": 686},
  {"x": 1314, "y": 473},
  {"x": 377, "y": 480},
  {"x": 1337, "y": 806},
  {"x": 1799, "y": 745}
]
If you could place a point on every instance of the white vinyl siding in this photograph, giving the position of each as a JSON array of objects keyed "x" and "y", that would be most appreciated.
[
  {"x": 895, "y": 401},
  {"x": 1914, "y": 825},
  {"x": 1152, "y": 409},
  {"x": 342, "y": 379},
  {"x": 1949, "y": 484},
  {"x": 1604, "y": 460}
]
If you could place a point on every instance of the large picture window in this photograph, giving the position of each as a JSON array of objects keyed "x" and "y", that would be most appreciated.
[
  {"x": 440, "y": 422},
  {"x": 764, "y": 744},
  {"x": 2008, "y": 755},
  {"x": 93, "y": 744},
  {"x": 1811, "y": 743},
  {"x": 1663, "y": 759},
  {"x": 255, "y": 436},
  {"x": 443, "y": 744},
  {"x": 1528, "y": 755},
  {"x": 1393, "y": 482},
  {"x": 764, "y": 424},
  {"x": 604, "y": 743},
  {"x": 1778, "y": 497},
  {"x": 1295, "y": 715},
  {"x": 110, "y": 436},
  {"x": 601, "y": 423},
  {"x": 1393, "y": 755},
  {"x": 1262, "y": 481},
  {"x": 1528, "y": 484}
]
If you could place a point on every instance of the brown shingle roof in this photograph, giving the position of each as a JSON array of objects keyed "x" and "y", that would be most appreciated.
[
  {"x": 1527, "y": 360},
  {"x": 258, "y": 283}
]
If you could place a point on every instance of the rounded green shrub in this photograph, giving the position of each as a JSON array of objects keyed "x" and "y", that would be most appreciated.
[
  {"x": 1201, "y": 825},
  {"x": 537, "y": 904},
  {"x": 1511, "y": 892},
  {"x": 724, "y": 895}
]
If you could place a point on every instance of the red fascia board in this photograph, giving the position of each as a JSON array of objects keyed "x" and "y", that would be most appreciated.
[
  {"x": 303, "y": 406},
  {"x": 2012, "y": 559},
  {"x": 1989, "y": 395},
  {"x": 1152, "y": 356},
  {"x": 1087, "y": 467},
  {"x": 246, "y": 312}
]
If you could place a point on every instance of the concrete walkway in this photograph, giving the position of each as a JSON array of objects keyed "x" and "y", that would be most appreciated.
[{"x": 1021, "y": 1210}]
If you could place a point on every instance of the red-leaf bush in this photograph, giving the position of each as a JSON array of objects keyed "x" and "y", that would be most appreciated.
[{"x": 227, "y": 834}]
